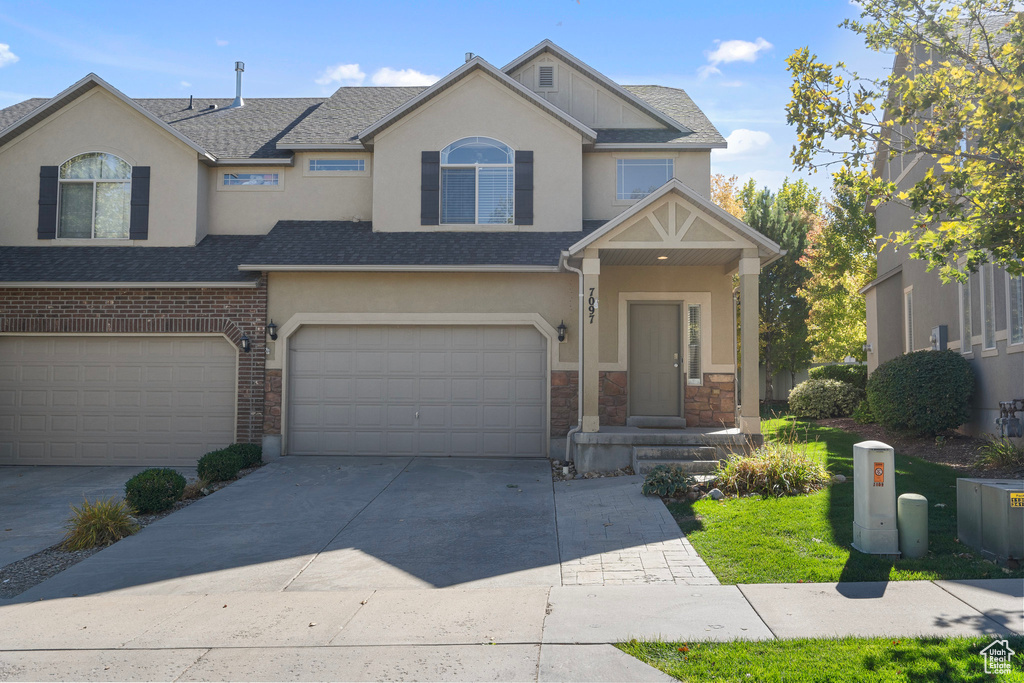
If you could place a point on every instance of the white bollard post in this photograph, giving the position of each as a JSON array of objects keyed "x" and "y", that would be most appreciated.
[{"x": 874, "y": 499}]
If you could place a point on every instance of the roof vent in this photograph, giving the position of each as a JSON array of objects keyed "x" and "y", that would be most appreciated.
[
  {"x": 546, "y": 77},
  {"x": 212, "y": 106},
  {"x": 239, "y": 102},
  {"x": 191, "y": 103},
  {"x": 469, "y": 56}
]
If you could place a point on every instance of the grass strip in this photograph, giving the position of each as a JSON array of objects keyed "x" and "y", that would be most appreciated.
[{"x": 834, "y": 660}]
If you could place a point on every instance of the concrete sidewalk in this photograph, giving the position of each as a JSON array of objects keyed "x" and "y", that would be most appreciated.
[{"x": 497, "y": 633}]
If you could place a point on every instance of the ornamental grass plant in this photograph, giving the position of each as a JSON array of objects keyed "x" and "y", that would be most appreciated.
[{"x": 98, "y": 524}]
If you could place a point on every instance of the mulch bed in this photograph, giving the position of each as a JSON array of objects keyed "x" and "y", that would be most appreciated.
[
  {"x": 18, "y": 577},
  {"x": 952, "y": 449}
]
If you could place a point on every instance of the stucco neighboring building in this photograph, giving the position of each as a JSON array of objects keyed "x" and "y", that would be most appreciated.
[{"x": 383, "y": 271}]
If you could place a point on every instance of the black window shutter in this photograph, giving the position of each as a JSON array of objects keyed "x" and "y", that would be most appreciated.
[
  {"x": 47, "y": 229},
  {"x": 138, "y": 228},
  {"x": 430, "y": 189},
  {"x": 524, "y": 188}
]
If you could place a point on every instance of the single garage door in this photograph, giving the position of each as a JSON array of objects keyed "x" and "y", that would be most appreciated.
[
  {"x": 417, "y": 390},
  {"x": 115, "y": 400}
]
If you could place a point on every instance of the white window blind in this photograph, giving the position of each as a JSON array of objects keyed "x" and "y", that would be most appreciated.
[
  {"x": 693, "y": 369},
  {"x": 965, "y": 316},
  {"x": 458, "y": 195},
  {"x": 988, "y": 308},
  {"x": 908, "y": 310},
  {"x": 1016, "y": 317}
]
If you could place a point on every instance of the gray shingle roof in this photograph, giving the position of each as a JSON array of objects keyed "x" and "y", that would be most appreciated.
[
  {"x": 677, "y": 104},
  {"x": 251, "y": 132},
  {"x": 214, "y": 259},
  {"x": 254, "y": 131},
  {"x": 349, "y": 111},
  {"x": 345, "y": 243}
]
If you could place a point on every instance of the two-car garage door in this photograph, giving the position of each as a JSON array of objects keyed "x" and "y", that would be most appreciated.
[
  {"x": 417, "y": 390},
  {"x": 97, "y": 400}
]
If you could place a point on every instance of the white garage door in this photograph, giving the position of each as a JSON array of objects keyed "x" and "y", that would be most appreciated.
[
  {"x": 417, "y": 390},
  {"x": 115, "y": 400}
]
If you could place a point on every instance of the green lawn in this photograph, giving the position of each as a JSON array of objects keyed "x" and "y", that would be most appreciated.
[
  {"x": 807, "y": 538},
  {"x": 881, "y": 660}
]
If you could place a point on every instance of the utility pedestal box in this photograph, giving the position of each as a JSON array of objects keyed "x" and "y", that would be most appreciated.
[
  {"x": 874, "y": 499},
  {"x": 990, "y": 518}
]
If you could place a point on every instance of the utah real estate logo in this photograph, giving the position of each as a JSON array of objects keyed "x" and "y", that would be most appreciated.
[{"x": 997, "y": 657}]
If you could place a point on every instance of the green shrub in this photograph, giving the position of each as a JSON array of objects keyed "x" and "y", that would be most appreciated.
[
  {"x": 1000, "y": 452},
  {"x": 817, "y": 398},
  {"x": 857, "y": 375},
  {"x": 922, "y": 393},
  {"x": 863, "y": 414},
  {"x": 774, "y": 469},
  {"x": 154, "y": 490},
  {"x": 98, "y": 524},
  {"x": 252, "y": 454},
  {"x": 219, "y": 465},
  {"x": 665, "y": 480}
]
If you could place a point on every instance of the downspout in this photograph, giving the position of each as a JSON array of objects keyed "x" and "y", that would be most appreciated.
[
  {"x": 564, "y": 263},
  {"x": 736, "y": 384}
]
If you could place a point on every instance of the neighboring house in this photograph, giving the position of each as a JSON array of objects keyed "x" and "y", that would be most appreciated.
[
  {"x": 909, "y": 309},
  {"x": 417, "y": 251}
]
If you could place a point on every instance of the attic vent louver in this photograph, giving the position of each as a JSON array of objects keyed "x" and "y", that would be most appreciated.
[{"x": 546, "y": 77}]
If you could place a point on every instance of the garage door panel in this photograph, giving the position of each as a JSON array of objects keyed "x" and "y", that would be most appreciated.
[
  {"x": 109, "y": 400},
  {"x": 466, "y": 383}
]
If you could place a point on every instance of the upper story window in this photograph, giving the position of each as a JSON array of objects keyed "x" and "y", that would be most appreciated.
[
  {"x": 637, "y": 178},
  {"x": 1015, "y": 300},
  {"x": 965, "y": 317},
  {"x": 337, "y": 165},
  {"x": 988, "y": 308},
  {"x": 250, "y": 179},
  {"x": 477, "y": 182},
  {"x": 95, "y": 191}
]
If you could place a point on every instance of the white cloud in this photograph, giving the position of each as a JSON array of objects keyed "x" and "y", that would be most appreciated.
[
  {"x": 343, "y": 74},
  {"x": 708, "y": 70},
  {"x": 221, "y": 43},
  {"x": 729, "y": 51},
  {"x": 732, "y": 84},
  {"x": 186, "y": 84},
  {"x": 744, "y": 143},
  {"x": 387, "y": 76},
  {"x": 6, "y": 56}
]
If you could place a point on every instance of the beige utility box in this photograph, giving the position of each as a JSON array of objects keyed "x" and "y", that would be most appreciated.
[
  {"x": 874, "y": 499},
  {"x": 990, "y": 517}
]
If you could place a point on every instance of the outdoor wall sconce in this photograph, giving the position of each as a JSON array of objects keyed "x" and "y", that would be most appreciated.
[
  {"x": 561, "y": 331},
  {"x": 272, "y": 330},
  {"x": 246, "y": 346}
]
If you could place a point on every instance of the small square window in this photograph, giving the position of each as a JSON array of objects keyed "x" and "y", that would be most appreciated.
[
  {"x": 250, "y": 179},
  {"x": 637, "y": 178}
]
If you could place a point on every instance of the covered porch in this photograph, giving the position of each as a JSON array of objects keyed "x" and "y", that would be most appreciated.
[{"x": 659, "y": 372}]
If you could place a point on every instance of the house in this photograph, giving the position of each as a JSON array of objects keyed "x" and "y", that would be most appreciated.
[
  {"x": 384, "y": 271},
  {"x": 910, "y": 309}
]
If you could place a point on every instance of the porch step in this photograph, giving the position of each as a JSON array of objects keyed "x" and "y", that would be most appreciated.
[
  {"x": 691, "y": 458},
  {"x": 656, "y": 422}
]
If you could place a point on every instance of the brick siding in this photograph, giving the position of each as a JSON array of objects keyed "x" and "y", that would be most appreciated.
[
  {"x": 611, "y": 400},
  {"x": 713, "y": 404},
  {"x": 232, "y": 311}
]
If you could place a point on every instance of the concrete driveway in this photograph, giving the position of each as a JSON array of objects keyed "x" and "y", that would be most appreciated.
[
  {"x": 35, "y": 502},
  {"x": 326, "y": 523}
]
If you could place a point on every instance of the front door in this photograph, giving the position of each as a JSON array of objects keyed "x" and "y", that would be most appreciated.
[{"x": 655, "y": 359}]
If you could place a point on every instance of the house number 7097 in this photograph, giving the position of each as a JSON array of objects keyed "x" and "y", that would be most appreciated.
[{"x": 592, "y": 305}]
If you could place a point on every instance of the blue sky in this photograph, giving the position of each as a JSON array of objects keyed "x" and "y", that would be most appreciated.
[{"x": 728, "y": 55}]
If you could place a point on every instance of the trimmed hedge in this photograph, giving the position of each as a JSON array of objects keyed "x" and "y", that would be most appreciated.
[
  {"x": 154, "y": 490},
  {"x": 252, "y": 454},
  {"x": 857, "y": 375},
  {"x": 818, "y": 398},
  {"x": 922, "y": 393},
  {"x": 219, "y": 465}
]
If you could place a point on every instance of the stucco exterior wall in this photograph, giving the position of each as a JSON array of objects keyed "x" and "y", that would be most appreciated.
[
  {"x": 583, "y": 98},
  {"x": 478, "y": 106},
  {"x": 600, "y": 178},
  {"x": 99, "y": 122},
  {"x": 299, "y": 195}
]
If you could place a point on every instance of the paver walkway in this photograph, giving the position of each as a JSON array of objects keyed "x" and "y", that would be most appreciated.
[{"x": 610, "y": 534}]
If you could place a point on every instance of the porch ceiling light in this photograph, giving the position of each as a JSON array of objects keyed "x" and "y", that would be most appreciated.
[
  {"x": 272, "y": 330},
  {"x": 561, "y": 331},
  {"x": 663, "y": 258},
  {"x": 244, "y": 341}
]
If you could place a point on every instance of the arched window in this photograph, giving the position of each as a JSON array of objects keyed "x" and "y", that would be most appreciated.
[
  {"x": 477, "y": 185},
  {"x": 95, "y": 197}
]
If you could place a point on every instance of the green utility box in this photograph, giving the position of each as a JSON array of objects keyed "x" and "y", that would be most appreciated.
[{"x": 990, "y": 518}]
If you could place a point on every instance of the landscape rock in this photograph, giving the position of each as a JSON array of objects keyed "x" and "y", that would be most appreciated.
[
  {"x": 839, "y": 479},
  {"x": 716, "y": 494}
]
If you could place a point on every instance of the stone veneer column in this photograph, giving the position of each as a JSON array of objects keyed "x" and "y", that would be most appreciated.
[
  {"x": 591, "y": 324},
  {"x": 750, "y": 414}
]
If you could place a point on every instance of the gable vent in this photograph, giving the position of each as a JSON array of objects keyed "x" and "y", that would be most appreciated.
[{"x": 546, "y": 77}]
